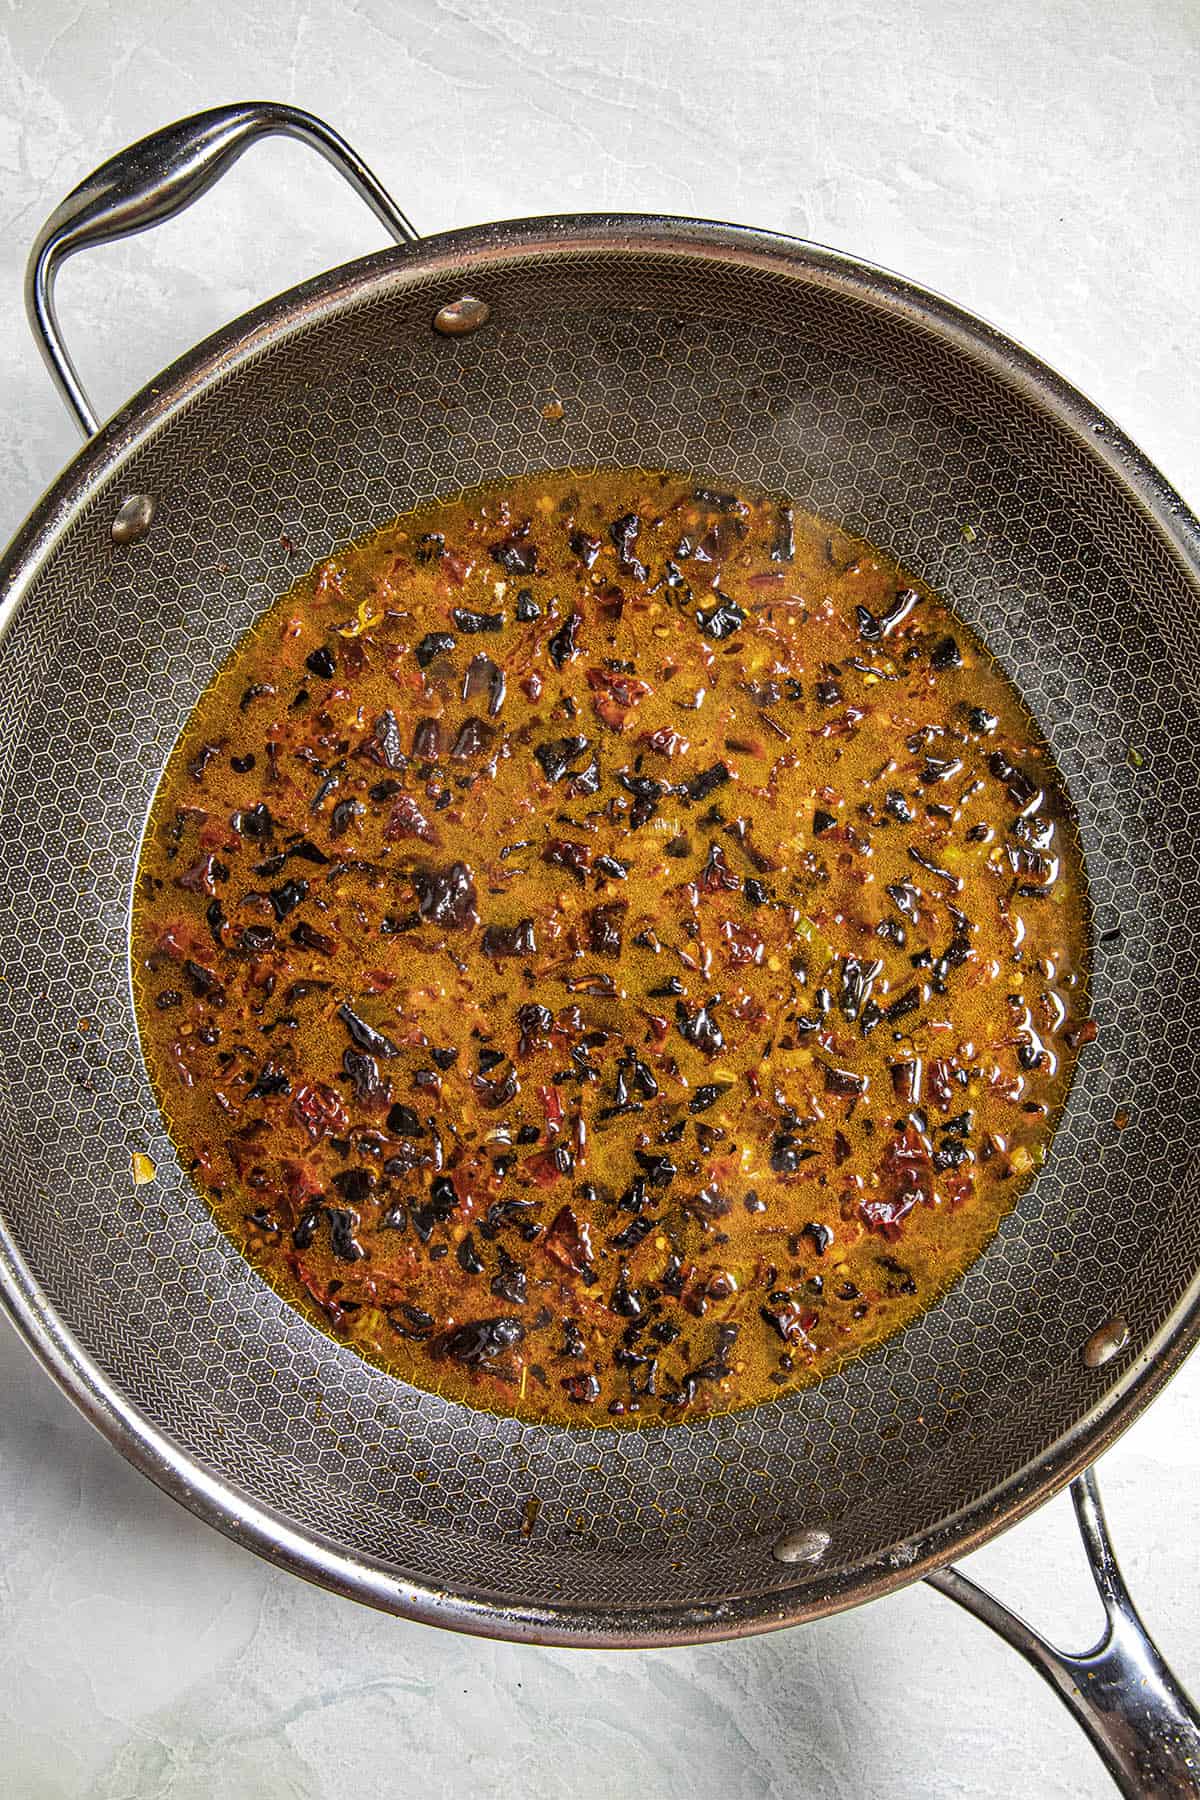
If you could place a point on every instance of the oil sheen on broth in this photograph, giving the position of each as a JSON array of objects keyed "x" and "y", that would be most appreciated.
[{"x": 610, "y": 950}]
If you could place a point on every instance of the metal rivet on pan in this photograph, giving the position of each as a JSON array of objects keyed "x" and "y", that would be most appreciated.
[
  {"x": 804, "y": 1544},
  {"x": 460, "y": 317},
  {"x": 134, "y": 519},
  {"x": 1106, "y": 1342}
]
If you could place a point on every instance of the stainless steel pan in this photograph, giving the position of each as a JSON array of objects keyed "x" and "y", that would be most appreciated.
[{"x": 746, "y": 358}]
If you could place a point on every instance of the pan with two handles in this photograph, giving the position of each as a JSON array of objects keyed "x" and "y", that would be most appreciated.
[{"x": 748, "y": 359}]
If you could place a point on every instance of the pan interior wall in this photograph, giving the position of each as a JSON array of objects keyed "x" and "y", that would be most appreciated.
[{"x": 744, "y": 375}]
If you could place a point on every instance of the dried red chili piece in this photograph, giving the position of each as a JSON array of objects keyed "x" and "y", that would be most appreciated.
[
  {"x": 615, "y": 696},
  {"x": 905, "y": 1180},
  {"x": 445, "y": 895},
  {"x": 604, "y": 925},
  {"x": 568, "y": 1243},
  {"x": 406, "y": 820},
  {"x": 319, "y": 1110}
]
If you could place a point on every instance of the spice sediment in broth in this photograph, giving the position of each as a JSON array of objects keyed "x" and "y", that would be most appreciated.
[{"x": 611, "y": 950}]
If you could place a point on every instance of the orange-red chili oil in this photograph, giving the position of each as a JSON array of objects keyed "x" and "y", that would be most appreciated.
[{"x": 610, "y": 950}]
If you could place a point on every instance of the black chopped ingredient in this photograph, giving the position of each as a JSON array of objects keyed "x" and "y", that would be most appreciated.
[
  {"x": 474, "y": 737},
  {"x": 624, "y": 534},
  {"x": 364, "y": 1035},
  {"x": 445, "y": 896},
  {"x": 783, "y": 539},
  {"x": 480, "y": 1341},
  {"x": 468, "y": 1258},
  {"x": 699, "y": 1028},
  {"x": 704, "y": 1097},
  {"x": 722, "y": 620},
  {"x": 384, "y": 745},
  {"x": 403, "y": 1121},
  {"x": 563, "y": 646},
  {"x": 701, "y": 786},
  {"x": 509, "y": 940},
  {"x": 510, "y": 1282},
  {"x": 254, "y": 822},
  {"x": 516, "y": 554},
  {"x": 945, "y": 655},
  {"x": 557, "y": 755},
  {"x": 343, "y": 816},
  {"x": 470, "y": 622},
  {"x": 363, "y": 1071},
  {"x": 433, "y": 644}
]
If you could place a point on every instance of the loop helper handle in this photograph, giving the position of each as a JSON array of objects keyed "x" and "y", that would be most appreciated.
[{"x": 153, "y": 180}]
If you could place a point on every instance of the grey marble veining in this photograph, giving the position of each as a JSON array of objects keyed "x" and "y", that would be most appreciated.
[{"x": 1037, "y": 162}]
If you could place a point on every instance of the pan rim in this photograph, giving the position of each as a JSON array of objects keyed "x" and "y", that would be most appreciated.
[{"x": 223, "y": 1503}]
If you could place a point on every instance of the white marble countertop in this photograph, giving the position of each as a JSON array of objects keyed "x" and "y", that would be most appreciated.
[{"x": 1035, "y": 161}]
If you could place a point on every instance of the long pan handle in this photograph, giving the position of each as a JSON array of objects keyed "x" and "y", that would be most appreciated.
[
  {"x": 153, "y": 180},
  {"x": 1137, "y": 1715}
]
